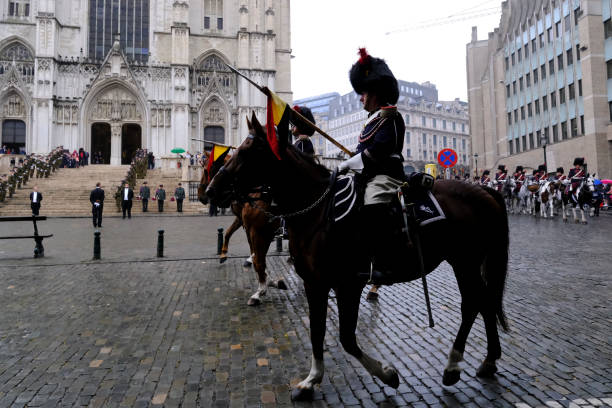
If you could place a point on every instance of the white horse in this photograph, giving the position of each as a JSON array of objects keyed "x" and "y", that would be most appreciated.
[
  {"x": 580, "y": 199},
  {"x": 546, "y": 194}
]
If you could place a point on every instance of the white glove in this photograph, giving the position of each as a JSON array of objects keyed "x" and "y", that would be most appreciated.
[{"x": 355, "y": 163}]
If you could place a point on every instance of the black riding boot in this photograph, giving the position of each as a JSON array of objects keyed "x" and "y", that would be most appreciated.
[{"x": 385, "y": 242}]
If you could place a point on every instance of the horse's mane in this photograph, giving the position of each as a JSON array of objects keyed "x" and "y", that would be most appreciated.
[{"x": 320, "y": 170}]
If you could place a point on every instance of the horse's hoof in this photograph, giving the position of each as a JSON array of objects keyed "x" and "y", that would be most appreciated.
[
  {"x": 254, "y": 302},
  {"x": 280, "y": 284},
  {"x": 302, "y": 394},
  {"x": 486, "y": 370},
  {"x": 392, "y": 382},
  {"x": 372, "y": 296},
  {"x": 451, "y": 377},
  {"x": 222, "y": 259},
  {"x": 247, "y": 264}
]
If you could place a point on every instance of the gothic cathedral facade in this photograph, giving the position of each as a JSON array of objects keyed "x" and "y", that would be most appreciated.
[{"x": 116, "y": 75}]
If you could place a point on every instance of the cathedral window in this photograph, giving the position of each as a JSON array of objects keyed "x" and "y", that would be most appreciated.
[
  {"x": 19, "y": 8},
  {"x": 126, "y": 19},
  {"x": 213, "y": 14}
]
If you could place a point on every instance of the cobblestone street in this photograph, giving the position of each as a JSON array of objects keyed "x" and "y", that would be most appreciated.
[{"x": 141, "y": 332}]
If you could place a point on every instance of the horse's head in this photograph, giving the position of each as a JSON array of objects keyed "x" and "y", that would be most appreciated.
[{"x": 251, "y": 165}]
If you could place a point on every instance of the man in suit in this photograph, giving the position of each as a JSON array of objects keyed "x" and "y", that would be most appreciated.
[
  {"x": 96, "y": 197},
  {"x": 35, "y": 199},
  {"x": 145, "y": 194},
  {"x": 126, "y": 200},
  {"x": 179, "y": 194},
  {"x": 160, "y": 196}
]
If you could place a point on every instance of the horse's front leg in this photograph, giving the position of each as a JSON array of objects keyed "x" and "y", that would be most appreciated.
[
  {"x": 348, "y": 297},
  {"x": 317, "y": 307},
  {"x": 260, "y": 248},
  {"x": 582, "y": 214},
  {"x": 228, "y": 234}
]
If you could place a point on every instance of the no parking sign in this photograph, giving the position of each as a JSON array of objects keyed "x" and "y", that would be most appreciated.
[{"x": 447, "y": 158}]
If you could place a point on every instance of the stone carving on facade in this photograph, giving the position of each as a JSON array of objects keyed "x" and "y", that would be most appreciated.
[
  {"x": 13, "y": 107},
  {"x": 116, "y": 105},
  {"x": 18, "y": 57}
]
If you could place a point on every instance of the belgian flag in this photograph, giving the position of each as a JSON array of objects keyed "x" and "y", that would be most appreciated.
[
  {"x": 215, "y": 159},
  {"x": 278, "y": 115}
]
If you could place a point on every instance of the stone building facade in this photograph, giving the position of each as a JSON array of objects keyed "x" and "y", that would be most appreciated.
[
  {"x": 116, "y": 75},
  {"x": 543, "y": 79}
]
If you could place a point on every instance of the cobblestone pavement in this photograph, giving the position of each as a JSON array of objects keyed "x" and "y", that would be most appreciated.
[{"x": 179, "y": 333}]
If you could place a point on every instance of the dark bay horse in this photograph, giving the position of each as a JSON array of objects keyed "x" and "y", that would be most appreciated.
[
  {"x": 250, "y": 214},
  {"x": 329, "y": 256}
]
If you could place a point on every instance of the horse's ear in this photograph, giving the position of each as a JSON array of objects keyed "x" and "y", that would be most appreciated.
[
  {"x": 249, "y": 124},
  {"x": 256, "y": 126}
]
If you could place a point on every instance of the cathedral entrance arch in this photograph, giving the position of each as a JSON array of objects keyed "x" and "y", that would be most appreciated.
[
  {"x": 14, "y": 135},
  {"x": 131, "y": 137},
  {"x": 100, "y": 143}
]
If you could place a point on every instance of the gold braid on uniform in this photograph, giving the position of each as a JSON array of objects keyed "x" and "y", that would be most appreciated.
[{"x": 365, "y": 136}]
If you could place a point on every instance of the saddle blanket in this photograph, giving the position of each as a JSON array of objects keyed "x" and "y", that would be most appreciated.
[{"x": 345, "y": 197}]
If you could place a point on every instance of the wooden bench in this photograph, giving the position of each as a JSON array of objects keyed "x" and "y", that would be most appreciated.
[{"x": 39, "y": 250}]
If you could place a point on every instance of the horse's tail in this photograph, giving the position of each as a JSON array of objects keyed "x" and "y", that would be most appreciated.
[{"x": 496, "y": 263}]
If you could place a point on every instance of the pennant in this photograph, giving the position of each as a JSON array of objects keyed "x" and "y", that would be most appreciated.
[
  {"x": 216, "y": 157},
  {"x": 277, "y": 114}
]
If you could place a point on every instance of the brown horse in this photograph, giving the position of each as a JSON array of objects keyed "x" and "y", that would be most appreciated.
[
  {"x": 329, "y": 256},
  {"x": 250, "y": 214}
]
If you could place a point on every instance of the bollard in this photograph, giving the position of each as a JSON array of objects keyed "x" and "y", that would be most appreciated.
[
  {"x": 96, "y": 254},
  {"x": 160, "y": 243},
  {"x": 279, "y": 243},
  {"x": 219, "y": 241}
]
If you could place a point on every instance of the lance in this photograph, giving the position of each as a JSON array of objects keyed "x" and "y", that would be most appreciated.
[
  {"x": 297, "y": 114},
  {"x": 213, "y": 143}
]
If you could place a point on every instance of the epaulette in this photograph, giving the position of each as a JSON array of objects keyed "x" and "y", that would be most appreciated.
[{"x": 388, "y": 111}]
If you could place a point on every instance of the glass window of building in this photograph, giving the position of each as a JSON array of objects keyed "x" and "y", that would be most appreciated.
[
  {"x": 541, "y": 40},
  {"x": 507, "y": 63},
  {"x": 574, "y": 126},
  {"x": 514, "y": 87},
  {"x": 509, "y": 122},
  {"x": 528, "y": 80},
  {"x": 407, "y": 119},
  {"x": 564, "y": 130},
  {"x": 572, "y": 92},
  {"x": 570, "y": 57},
  {"x": 524, "y": 142},
  {"x": 408, "y": 152},
  {"x": 129, "y": 19},
  {"x": 538, "y": 138},
  {"x": 407, "y": 137},
  {"x": 545, "y": 103},
  {"x": 543, "y": 71},
  {"x": 522, "y": 113},
  {"x": 463, "y": 144},
  {"x": 560, "y": 62},
  {"x": 608, "y": 28},
  {"x": 553, "y": 100},
  {"x": 609, "y": 66},
  {"x": 562, "y": 96},
  {"x": 551, "y": 67},
  {"x": 508, "y": 91},
  {"x": 515, "y": 115},
  {"x": 582, "y": 125},
  {"x": 454, "y": 126},
  {"x": 531, "y": 141},
  {"x": 567, "y": 23},
  {"x": 513, "y": 59},
  {"x": 550, "y": 35},
  {"x": 546, "y": 135},
  {"x": 435, "y": 140},
  {"x": 463, "y": 127},
  {"x": 577, "y": 53},
  {"x": 433, "y": 123},
  {"x": 535, "y": 76},
  {"x": 558, "y": 29},
  {"x": 213, "y": 13},
  {"x": 555, "y": 133},
  {"x": 423, "y": 121},
  {"x": 533, "y": 46},
  {"x": 526, "y": 51},
  {"x": 19, "y": 8},
  {"x": 424, "y": 138},
  {"x": 517, "y": 143},
  {"x": 537, "y": 107},
  {"x": 529, "y": 110},
  {"x": 444, "y": 124},
  {"x": 444, "y": 141},
  {"x": 580, "y": 87},
  {"x": 520, "y": 55},
  {"x": 610, "y": 109},
  {"x": 510, "y": 147},
  {"x": 454, "y": 143}
]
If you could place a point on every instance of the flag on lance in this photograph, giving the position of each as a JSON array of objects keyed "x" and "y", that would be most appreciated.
[{"x": 447, "y": 158}]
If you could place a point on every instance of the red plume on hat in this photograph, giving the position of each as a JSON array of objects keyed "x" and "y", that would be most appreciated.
[{"x": 370, "y": 74}]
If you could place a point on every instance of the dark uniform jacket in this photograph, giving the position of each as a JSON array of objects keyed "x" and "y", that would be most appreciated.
[
  {"x": 160, "y": 194},
  {"x": 381, "y": 143},
  {"x": 179, "y": 193},
  {"x": 304, "y": 146},
  {"x": 145, "y": 192}
]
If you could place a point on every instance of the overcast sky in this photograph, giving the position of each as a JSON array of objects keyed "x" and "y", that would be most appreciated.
[{"x": 325, "y": 36}]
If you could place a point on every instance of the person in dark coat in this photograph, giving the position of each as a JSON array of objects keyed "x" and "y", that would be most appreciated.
[
  {"x": 179, "y": 194},
  {"x": 127, "y": 194},
  {"x": 96, "y": 197},
  {"x": 302, "y": 131},
  {"x": 160, "y": 196},
  {"x": 145, "y": 194},
  {"x": 35, "y": 199}
]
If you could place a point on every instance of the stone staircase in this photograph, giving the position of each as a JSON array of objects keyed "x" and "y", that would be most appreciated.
[{"x": 66, "y": 193}]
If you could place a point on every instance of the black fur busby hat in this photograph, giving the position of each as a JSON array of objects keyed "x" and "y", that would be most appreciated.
[
  {"x": 518, "y": 169},
  {"x": 542, "y": 167},
  {"x": 371, "y": 74},
  {"x": 560, "y": 170},
  {"x": 486, "y": 173},
  {"x": 501, "y": 167},
  {"x": 579, "y": 161},
  {"x": 303, "y": 128}
]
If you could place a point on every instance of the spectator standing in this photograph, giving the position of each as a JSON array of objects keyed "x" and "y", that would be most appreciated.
[
  {"x": 145, "y": 194},
  {"x": 160, "y": 196},
  {"x": 151, "y": 160},
  {"x": 179, "y": 194},
  {"x": 126, "y": 200},
  {"x": 96, "y": 197},
  {"x": 35, "y": 199}
]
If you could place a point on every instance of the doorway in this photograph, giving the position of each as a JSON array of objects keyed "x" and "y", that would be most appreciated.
[
  {"x": 100, "y": 143},
  {"x": 131, "y": 136},
  {"x": 13, "y": 135}
]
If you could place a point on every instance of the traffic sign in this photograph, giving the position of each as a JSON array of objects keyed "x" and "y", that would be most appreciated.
[{"x": 447, "y": 158}]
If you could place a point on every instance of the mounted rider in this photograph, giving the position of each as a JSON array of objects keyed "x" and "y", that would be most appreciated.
[
  {"x": 485, "y": 180},
  {"x": 378, "y": 161},
  {"x": 542, "y": 174},
  {"x": 560, "y": 176},
  {"x": 303, "y": 132},
  {"x": 500, "y": 177},
  {"x": 577, "y": 174},
  {"x": 519, "y": 178}
]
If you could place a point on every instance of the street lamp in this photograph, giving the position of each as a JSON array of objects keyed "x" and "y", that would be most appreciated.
[
  {"x": 476, "y": 162},
  {"x": 544, "y": 140}
]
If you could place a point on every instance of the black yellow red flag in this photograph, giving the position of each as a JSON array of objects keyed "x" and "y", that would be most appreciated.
[{"x": 216, "y": 157}]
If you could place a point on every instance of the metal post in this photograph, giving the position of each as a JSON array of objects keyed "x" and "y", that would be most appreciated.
[
  {"x": 219, "y": 240},
  {"x": 160, "y": 243},
  {"x": 96, "y": 252},
  {"x": 545, "y": 162},
  {"x": 279, "y": 243}
]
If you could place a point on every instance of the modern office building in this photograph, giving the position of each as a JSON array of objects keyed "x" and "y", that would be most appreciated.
[
  {"x": 117, "y": 75},
  {"x": 540, "y": 86}
]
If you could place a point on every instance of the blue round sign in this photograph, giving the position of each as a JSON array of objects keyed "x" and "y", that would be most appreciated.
[{"x": 447, "y": 158}]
